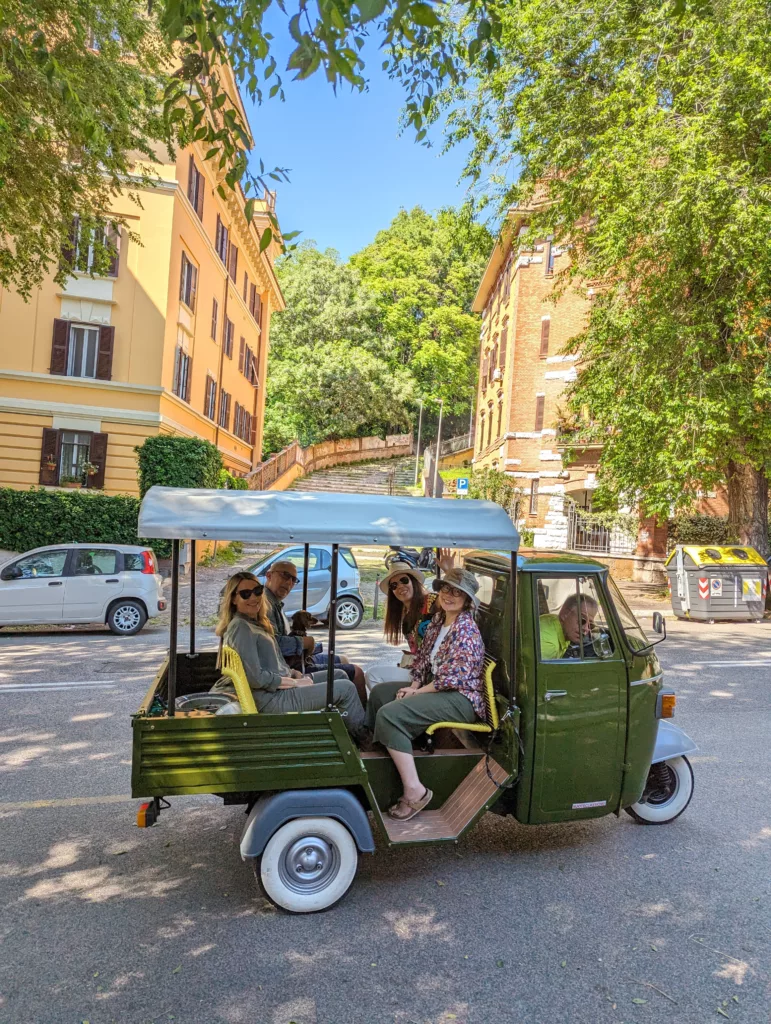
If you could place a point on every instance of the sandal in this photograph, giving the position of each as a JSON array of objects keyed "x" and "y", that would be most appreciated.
[{"x": 411, "y": 807}]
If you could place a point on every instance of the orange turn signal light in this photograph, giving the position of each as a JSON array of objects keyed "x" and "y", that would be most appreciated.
[
  {"x": 146, "y": 815},
  {"x": 668, "y": 701}
]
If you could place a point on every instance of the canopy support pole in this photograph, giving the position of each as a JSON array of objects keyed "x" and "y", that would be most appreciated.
[
  {"x": 192, "y": 598},
  {"x": 332, "y": 625},
  {"x": 171, "y": 678},
  {"x": 513, "y": 631},
  {"x": 306, "y": 558},
  {"x": 438, "y": 571}
]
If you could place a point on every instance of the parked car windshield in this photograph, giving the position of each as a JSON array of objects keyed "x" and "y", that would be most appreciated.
[
  {"x": 635, "y": 634},
  {"x": 348, "y": 556}
]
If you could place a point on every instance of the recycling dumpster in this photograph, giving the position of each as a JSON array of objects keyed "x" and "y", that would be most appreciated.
[{"x": 717, "y": 583}]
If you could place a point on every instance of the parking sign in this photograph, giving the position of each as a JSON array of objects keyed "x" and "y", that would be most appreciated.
[{"x": 462, "y": 485}]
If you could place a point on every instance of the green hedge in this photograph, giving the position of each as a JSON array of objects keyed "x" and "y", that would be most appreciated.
[
  {"x": 171, "y": 461},
  {"x": 698, "y": 528},
  {"x": 36, "y": 518}
]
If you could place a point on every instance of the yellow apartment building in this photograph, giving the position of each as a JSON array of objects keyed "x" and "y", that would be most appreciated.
[{"x": 173, "y": 340}]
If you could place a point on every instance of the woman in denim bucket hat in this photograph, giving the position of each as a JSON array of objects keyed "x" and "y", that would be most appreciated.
[{"x": 445, "y": 686}]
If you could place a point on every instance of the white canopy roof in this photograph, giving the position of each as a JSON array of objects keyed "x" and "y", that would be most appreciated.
[{"x": 322, "y": 517}]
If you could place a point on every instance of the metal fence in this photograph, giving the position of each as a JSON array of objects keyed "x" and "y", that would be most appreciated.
[
  {"x": 586, "y": 535},
  {"x": 457, "y": 444}
]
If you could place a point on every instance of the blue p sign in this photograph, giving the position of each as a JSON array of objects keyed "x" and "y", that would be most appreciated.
[{"x": 462, "y": 485}]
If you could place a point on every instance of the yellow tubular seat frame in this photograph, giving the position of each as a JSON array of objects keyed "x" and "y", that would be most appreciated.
[
  {"x": 233, "y": 668},
  {"x": 492, "y": 710}
]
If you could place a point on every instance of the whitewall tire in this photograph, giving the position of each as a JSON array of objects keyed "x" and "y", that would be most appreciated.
[
  {"x": 668, "y": 791},
  {"x": 308, "y": 865}
]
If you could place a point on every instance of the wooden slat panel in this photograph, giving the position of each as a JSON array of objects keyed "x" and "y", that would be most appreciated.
[{"x": 456, "y": 813}]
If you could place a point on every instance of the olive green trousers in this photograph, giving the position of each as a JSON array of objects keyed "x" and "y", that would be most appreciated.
[{"x": 396, "y": 723}]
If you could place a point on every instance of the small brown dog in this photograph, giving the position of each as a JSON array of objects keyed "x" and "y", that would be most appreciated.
[{"x": 301, "y": 622}]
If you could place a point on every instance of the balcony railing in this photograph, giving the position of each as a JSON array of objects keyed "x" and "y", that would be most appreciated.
[
  {"x": 589, "y": 436},
  {"x": 457, "y": 444}
]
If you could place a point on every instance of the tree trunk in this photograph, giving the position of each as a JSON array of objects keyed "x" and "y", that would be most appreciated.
[{"x": 748, "y": 505}]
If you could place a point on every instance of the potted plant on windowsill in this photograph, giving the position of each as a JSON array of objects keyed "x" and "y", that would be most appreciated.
[
  {"x": 73, "y": 482},
  {"x": 50, "y": 464},
  {"x": 90, "y": 469}
]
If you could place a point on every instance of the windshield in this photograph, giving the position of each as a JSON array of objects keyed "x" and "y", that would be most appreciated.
[{"x": 635, "y": 634}]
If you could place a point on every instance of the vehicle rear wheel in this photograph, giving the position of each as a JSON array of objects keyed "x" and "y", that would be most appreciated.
[
  {"x": 126, "y": 617},
  {"x": 349, "y": 613},
  {"x": 308, "y": 865},
  {"x": 667, "y": 793}
]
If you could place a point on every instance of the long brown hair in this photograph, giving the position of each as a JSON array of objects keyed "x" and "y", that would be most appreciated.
[
  {"x": 400, "y": 619},
  {"x": 227, "y": 605}
]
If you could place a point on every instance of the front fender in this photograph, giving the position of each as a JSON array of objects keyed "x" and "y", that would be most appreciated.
[
  {"x": 671, "y": 741},
  {"x": 274, "y": 810}
]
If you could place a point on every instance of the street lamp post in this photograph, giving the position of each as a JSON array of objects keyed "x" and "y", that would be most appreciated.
[
  {"x": 417, "y": 452},
  {"x": 438, "y": 446}
]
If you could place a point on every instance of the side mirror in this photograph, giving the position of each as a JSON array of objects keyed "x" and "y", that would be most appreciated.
[
  {"x": 13, "y": 572},
  {"x": 658, "y": 623}
]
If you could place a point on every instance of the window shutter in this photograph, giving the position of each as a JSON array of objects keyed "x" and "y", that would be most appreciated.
[
  {"x": 214, "y": 312},
  {"x": 246, "y": 285},
  {"x": 191, "y": 181},
  {"x": 193, "y": 285},
  {"x": 199, "y": 194},
  {"x": 258, "y": 309},
  {"x": 241, "y": 355},
  {"x": 49, "y": 452},
  {"x": 233, "y": 262},
  {"x": 504, "y": 339},
  {"x": 182, "y": 274},
  {"x": 104, "y": 354},
  {"x": 97, "y": 455},
  {"x": 113, "y": 239},
  {"x": 188, "y": 377},
  {"x": 253, "y": 430},
  {"x": 545, "y": 328},
  {"x": 218, "y": 237},
  {"x": 533, "y": 497},
  {"x": 539, "y": 403},
  {"x": 69, "y": 248},
  {"x": 59, "y": 346}
]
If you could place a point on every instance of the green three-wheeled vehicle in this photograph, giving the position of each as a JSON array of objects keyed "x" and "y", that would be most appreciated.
[{"x": 573, "y": 733}]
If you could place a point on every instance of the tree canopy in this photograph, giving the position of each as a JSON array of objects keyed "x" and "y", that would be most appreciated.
[
  {"x": 92, "y": 90},
  {"x": 395, "y": 319},
  {"x": 640, "y": 131}
]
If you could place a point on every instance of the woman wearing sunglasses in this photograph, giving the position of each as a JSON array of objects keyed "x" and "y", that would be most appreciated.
[
  {"x": 409, "y": 607},
  {"x": 244, "y": 625},
  {"x": 445, "y": 686}
]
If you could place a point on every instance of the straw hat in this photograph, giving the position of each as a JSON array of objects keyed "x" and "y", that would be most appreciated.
[
  {"x": 461, "y": 579},
  {"x": 401, "y": 569}
]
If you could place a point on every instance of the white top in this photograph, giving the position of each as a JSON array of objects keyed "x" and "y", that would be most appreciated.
[
  {"x": 307, "y": 517},
  {"x": 442, "y": 634}
]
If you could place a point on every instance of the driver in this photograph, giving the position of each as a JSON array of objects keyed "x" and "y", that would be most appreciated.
[{"x": 561, "y": 633}]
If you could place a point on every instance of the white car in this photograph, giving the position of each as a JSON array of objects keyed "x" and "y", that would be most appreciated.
[{"x": 75, "y": 583}]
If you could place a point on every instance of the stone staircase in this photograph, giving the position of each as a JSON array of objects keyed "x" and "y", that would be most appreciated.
[{"x": 389, "y": 476}]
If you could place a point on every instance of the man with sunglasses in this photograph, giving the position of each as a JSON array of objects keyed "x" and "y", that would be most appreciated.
[{"x": 279, "y": 581}]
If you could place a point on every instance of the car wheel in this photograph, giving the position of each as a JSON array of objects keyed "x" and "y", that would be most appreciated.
[
  {"x": 349, "y": 613},
  {"x": 126, "y": 617},
  {"x": 668, "y": 792},
  {"x": 308, "y": 865}
]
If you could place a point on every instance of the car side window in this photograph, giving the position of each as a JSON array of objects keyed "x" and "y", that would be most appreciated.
[
  {"x": 43, "y": 563},
  {"x": 572, "y": 619},
  {"x": 325, "y": 559},
  {"x": 95, "y": 562},
  {"x": 298, "y": 559}
]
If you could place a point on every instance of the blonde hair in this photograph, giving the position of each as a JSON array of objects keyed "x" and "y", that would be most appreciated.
[{"x": 227, "y": 605}]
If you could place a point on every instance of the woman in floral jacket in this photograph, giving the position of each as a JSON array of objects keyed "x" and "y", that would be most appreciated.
[{"x": 446, "y": 686}]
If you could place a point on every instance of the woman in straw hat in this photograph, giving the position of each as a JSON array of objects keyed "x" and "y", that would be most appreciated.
[
  {"x": 409, "y": 607},
  {"x": 445, "y": 686}
]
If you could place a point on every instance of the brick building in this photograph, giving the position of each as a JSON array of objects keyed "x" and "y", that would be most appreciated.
[{"x": 522, "y": 378}]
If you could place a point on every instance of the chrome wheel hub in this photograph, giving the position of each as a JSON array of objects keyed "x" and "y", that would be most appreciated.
[
  {"x": 309, "y": 864},
  {"x": 126, "y": 618},
  {"x": 347, "y": 613}
]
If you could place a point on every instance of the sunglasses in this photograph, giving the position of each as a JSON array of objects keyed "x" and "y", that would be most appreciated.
[
  {"x": 246, "y": 594},
  {"x": 401, "y": 581},
  {"x": 286, "y": 576}
]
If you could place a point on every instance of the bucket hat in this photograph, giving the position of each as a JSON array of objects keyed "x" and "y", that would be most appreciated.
[
  {"x": 461, "y": 579},
  {"x": 401, "y": 569}
]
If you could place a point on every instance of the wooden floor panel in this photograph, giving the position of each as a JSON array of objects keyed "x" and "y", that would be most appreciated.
[{"x": 456, "y": 812}]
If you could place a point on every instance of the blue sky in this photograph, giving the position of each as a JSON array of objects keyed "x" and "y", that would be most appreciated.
[{"x": 351, "y": 171}]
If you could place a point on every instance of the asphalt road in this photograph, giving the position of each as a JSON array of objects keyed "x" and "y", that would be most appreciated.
[{"x": 605, "y": 921}]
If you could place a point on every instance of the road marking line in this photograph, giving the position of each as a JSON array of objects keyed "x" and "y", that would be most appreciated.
[
  {"x": 73, "y": 801},
  {"x": 717, "y": 664},
  {"x": 45, "y": 687}
]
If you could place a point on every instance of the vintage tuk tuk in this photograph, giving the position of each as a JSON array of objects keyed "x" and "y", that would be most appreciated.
[{"x": 569, "y": 737}]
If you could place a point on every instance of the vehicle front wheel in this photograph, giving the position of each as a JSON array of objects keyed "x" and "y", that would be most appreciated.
[
  {"x": 126, "y": 617},
  {"x": 667, "y": 793},
  {"x": 349, "y": 613},
  {"x": 308, "y": 865}
]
